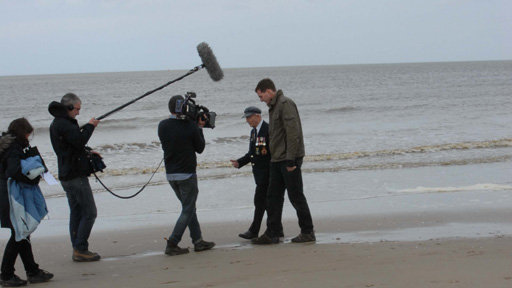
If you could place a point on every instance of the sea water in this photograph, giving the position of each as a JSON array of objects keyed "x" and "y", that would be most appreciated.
[{"x": 383, "y": 131}]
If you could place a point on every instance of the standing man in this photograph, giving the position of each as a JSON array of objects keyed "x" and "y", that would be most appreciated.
[
  {"x": 259, "y": 157},
  {"x": 181, "y": 139},
  {"x": 287, "y": 144},
  {"x": 69, "y": 143}
]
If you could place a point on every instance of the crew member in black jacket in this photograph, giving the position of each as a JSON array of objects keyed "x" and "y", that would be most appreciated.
[
  {"x": 259, "y": 157},
  {"x": 69, "y": 142},
  {"x": 181, "y": 139}
]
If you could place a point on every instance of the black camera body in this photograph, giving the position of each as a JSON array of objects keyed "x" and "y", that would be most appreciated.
[{"x": 187, "y": 109}]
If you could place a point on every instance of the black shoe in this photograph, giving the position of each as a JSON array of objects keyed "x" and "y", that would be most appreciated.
[
  {"x": 248, "y": 235},
  {"x": 40, "y": 276},
  {"x": 173, "y": 249},
  {"x": 304, "y": 238},
  {"x": 85, "y": 256},
  {"x": 15, "y": 281},
  {"x": 203, "y": 245},
  {"x": 265, "y": 239}
]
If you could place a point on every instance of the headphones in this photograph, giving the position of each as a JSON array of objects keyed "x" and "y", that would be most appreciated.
[{"x": 70, "y": 107}]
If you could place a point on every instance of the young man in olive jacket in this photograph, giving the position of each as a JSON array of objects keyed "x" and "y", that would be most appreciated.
[
  {"x": 69, "y": 142},
  {"x": 287, "y": 144}
]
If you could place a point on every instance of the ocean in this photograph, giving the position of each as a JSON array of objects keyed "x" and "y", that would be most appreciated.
[{"x": 370, "y": 131}]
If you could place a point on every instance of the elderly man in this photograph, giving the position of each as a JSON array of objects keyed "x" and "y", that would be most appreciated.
[{"x": 259, "y": 157}]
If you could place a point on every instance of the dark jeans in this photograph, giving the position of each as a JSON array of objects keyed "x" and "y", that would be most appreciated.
[
  {"x": 281, "y": 180},
  {"x": 82, "y": 211},
  {"x": 186, "y": 191},
  {"x": 12, "y": 250}
]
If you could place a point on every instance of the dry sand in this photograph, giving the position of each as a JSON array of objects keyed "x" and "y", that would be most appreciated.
[{"x": 135, "y": 259}]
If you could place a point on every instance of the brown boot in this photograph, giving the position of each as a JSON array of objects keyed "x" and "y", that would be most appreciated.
[{"x": 85, "y": 256}]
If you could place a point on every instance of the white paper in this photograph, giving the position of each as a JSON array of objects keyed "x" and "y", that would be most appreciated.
[{"x": 48, "y": 177}]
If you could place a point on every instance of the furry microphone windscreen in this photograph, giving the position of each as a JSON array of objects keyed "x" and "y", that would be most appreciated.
[{"x": 210, "y": 62}]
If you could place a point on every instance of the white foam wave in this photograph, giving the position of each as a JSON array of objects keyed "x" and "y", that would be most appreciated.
[{"x": 475, "y": 187}]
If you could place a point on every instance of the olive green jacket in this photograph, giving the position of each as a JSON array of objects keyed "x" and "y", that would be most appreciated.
[{"x": 285, "y": 130}]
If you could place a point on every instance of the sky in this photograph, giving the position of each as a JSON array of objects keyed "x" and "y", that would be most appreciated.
[{"x": 78, "y": 36}]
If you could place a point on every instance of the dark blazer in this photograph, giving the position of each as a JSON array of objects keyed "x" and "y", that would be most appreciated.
[{"x": 259, "y": 151}]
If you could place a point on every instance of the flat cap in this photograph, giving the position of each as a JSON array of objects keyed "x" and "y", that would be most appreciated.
[{"x": 250, "y": 111}]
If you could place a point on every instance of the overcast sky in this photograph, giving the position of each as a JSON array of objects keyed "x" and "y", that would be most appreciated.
[{"x": 57, "y": 36}]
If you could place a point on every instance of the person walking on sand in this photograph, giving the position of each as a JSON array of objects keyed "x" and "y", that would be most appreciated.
[
  {"x": 181, "y": 139},
  {"x": 15, "y": 148},
  {"x": 287, "y": 145},
  {"x": 69, "y": 143},
  {"x": 259, "y": 157}
]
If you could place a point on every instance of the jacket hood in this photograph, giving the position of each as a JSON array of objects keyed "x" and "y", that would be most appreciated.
[
  {"x": 58, "y": 109},
  {"x": 5, "y": 142}
]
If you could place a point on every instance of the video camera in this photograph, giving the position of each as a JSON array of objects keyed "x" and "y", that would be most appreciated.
[{"x": 188, "y": 109}]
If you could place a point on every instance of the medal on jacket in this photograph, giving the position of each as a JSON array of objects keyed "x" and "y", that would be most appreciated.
[
  {"x": 263, "y": 143},
  {"x": 257, "y": 145}
]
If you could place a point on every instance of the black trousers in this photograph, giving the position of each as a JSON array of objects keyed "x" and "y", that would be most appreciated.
[
  {"x": 261, "y": 177},
  {"x": 12, "y": 250},
  {"x": 281, "y": 180}
]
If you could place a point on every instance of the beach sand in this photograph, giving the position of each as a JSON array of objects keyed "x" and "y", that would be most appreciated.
[{"x": 135, "y": 258}]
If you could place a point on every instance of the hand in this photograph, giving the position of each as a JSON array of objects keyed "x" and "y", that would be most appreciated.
[
  {"x": 94, "y": 122},
  {"x": 94, "y": 152},
  {"x": 235, "y": 163},
  {"x": 291, "y": 169},
  {"x": 201, "y": 122}
]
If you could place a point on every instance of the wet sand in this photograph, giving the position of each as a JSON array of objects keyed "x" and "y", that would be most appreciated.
[{"x": 135, "y": 258}]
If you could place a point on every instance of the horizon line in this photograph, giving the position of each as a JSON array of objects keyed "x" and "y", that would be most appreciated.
[{"x": 257, "y": 67}]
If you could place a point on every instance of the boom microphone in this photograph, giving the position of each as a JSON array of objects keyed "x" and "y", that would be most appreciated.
[{"x": 209, "y": 62}]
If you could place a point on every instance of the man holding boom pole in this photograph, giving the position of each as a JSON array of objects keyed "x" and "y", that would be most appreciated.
[{"x": 69, "y": 143}]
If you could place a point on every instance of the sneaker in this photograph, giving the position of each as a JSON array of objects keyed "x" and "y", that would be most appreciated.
[
  {"x": 248, "y": 235},
  {"x": 265, "y": 239},
  {"x": 40, "y": 276},
  {"x": 173, "y": 249},
  {"x": 203, "y": 245},
  {"x": 304, "y": 237},
  {"x": 85, "y": 256},
  {"x": 15, "y": 281}
]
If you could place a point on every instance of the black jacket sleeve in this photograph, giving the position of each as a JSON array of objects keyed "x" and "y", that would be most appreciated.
[
  {"x": 246, "y": 159},
  {"x": 199, "y": 142},
  {"x": 76, "y": 137}
]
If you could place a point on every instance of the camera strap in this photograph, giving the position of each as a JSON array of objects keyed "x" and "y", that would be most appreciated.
[{"x": 136, "y": 193}]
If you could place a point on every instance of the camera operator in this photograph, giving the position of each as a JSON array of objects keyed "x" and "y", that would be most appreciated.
[
  {"x": 181, "y": 139},
  {"x": 69, "y": 142}
]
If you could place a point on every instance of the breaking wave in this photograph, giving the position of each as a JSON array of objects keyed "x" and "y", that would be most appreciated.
[
  {"x": 476, "y": 187},
  {"x": 154, "y": 145},
  {"x": 333, "y": 157},
  {"x": 501, "y": 143},
  {"x": 342, "y": 109}
]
